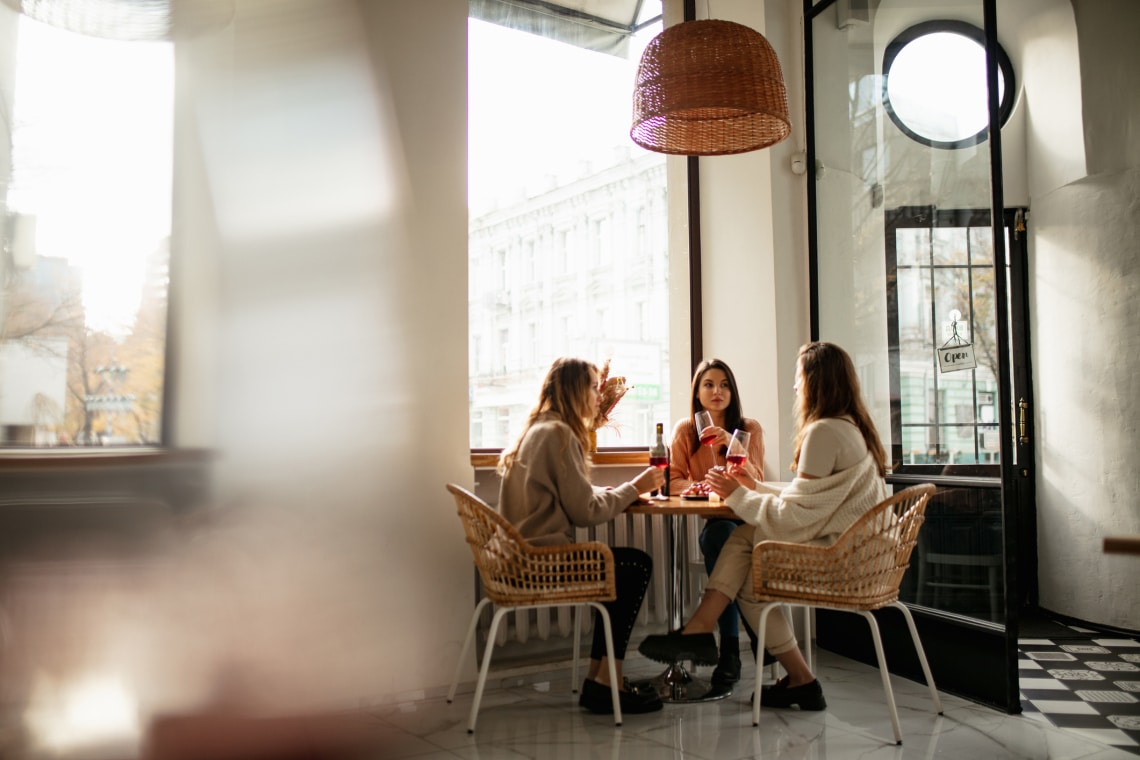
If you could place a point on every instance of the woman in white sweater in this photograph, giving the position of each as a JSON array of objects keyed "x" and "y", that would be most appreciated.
[{"x": 839, "y": 463}]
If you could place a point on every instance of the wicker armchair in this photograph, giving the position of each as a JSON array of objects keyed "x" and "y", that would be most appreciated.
[
  {"x": 860, "y": 572},
  {"x": 517, "y": 575}
]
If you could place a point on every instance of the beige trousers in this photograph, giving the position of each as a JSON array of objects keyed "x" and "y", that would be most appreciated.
[{"x": 732, "y": 576}]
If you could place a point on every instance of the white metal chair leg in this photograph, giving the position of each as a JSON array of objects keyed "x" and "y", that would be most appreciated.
[
  {"x": 578, "y": 611},
  {"x": 614, "y": 685},
  {"x": 466, "y": 645},
  {"x": 807, "y": 639},
  {"x": 499, "y": 613},
  {"x": 921, "y": 655},
  {"x": 884, "y": 673},
  {"x": 764, "y": 610}
]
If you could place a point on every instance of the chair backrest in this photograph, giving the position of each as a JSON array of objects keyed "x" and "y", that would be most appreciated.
[
  {"x": 515, "y": 572},
  {"x": 862, "y": 569},
  {"x": 495, "y": 544}
]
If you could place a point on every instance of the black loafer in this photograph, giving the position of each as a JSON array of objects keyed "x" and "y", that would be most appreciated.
[
  {"x": 806, "y": 697},
  {"x": 677, "y": 647},
  {"x": 641, "y": 686},
  {"x": 597, "y": 699},
  {"x": 727, "y": 670}
]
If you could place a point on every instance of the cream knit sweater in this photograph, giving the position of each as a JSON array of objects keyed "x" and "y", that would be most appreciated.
[{"x": 811, "y": 510}]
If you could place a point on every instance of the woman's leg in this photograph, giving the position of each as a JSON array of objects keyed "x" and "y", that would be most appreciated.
[
  {"x": 695, "y": 641},
  {"x": 779, "y": 638},
  {"x": 714, "y": 534},
  {"x": 633, "y": 570},
  {"x": 733, "y": 567}
]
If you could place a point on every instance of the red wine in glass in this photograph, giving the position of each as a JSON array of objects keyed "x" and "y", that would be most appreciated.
[
  {"x": 661, "y": 462},
  {"x": 738, "y": 448},
  {"x": 706, "y": 433}
]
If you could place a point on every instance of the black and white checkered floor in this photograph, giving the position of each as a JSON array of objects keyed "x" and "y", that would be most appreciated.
[{"x": 1087, "y": 685}]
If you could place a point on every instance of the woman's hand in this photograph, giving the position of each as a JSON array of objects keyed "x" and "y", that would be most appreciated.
[
  {"x": 649, "y": 479},
  {"x": 722, "y": 485},
  {"x": 743, "y": 477},
  {"x": 723, "y": 437}
]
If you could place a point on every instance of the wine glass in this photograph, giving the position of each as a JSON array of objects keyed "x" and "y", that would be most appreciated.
[
  {"x": 738, "y": 448},
  {"x": 704, "y": 423}
]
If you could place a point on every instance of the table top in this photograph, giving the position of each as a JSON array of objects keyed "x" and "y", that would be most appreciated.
[{"x": 675, "y": 505}]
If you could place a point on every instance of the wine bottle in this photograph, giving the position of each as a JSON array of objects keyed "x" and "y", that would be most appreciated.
[{"x": 659, "y": 457}]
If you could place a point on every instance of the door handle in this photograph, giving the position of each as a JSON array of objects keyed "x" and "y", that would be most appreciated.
[{"x": 1022, "y": 405}]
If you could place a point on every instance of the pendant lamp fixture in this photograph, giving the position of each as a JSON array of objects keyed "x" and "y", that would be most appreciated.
[{"x": 709, "y": 88}]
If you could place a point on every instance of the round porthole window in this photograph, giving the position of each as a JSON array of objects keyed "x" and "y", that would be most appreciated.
[{"x": 934, "y": 84}]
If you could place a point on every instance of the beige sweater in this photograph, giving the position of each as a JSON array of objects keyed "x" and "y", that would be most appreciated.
[
  {"x": 546, "y": 494},
  {"x": 811, "y": 510}
]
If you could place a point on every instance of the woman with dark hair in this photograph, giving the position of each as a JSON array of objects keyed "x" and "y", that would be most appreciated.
[
  {"x": 546, "y": 492},
  {"x": 714, "y": 390},
  {"x": 840, "y": 465}
]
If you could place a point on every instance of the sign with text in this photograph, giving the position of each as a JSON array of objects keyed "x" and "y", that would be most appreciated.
[{"x": 954, "y": 358}]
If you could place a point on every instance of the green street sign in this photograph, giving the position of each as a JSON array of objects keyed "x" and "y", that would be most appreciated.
[{"x": 645, "y": 392}]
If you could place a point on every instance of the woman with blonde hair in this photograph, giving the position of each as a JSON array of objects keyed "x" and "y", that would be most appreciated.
[
  {"x": 839, "y": 465},
  {"x": 546, "y": 493}
]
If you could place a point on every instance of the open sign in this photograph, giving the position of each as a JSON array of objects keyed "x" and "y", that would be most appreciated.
[{"x": 955, "y": 358}]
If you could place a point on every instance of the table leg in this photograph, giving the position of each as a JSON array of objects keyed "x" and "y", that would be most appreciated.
[{"x": 676, "y": 684}]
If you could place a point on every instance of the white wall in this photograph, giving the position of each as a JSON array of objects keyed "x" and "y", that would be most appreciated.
[
  {"x": 320, "y": 247},
  {"x": 753, "y": 248},
  {"x": 1085, "y": 230}
]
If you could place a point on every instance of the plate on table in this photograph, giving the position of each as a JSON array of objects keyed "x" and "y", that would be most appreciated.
[{"x": 695, "y": 497}]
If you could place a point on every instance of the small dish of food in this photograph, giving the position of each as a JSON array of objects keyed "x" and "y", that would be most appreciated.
[{"x": 697, "y": 492}]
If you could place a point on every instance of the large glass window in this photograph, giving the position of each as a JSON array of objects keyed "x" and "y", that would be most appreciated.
[
  {"x": 567, "y": 228},
  {"x": 86, "y": 200}
]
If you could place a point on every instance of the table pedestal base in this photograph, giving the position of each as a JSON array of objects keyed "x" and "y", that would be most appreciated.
[{"x": 677, "y": 685}]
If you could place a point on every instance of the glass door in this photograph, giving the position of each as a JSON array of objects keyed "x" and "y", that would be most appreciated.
[{"x": 911, "y": 278}]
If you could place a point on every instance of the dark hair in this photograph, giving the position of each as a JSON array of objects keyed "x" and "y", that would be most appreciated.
[
  {"x": 829, "y": 387},
  {"x": 565, "y": 393},
  {"x": 733, "y": 415}
]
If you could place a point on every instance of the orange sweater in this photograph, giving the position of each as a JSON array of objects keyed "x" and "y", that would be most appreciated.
[{"x": 686, "y": 466}]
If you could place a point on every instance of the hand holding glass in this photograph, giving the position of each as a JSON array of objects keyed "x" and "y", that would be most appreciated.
[
  {"x": 704, "y": 421},
  {"x": 706, "y": 432},
  {"x": 738, "y": 448}
]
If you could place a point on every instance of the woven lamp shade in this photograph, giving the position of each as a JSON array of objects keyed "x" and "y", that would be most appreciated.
[{"x": 709, "y": 88}]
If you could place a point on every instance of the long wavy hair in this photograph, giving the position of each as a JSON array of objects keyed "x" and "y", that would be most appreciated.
[
  {"x": 566, "y": 394},
  {"x": 733, "y": 415},
  {"x": 829, "y": 387}
]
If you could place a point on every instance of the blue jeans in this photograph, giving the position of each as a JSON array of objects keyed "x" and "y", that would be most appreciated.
[{"x": 713, "y": 535}]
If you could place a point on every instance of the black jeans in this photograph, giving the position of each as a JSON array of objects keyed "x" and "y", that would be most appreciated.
[{"x": 633, "y": 569}]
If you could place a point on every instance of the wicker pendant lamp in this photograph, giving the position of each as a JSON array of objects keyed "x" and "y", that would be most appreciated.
[{"x": 709, "y": 88}]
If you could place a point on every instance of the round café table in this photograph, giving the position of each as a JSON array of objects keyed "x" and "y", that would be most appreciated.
[{"x": 676, "y": 684}]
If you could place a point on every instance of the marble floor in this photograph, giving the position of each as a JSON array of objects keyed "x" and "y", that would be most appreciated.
[{"x": 536, "y": 716}]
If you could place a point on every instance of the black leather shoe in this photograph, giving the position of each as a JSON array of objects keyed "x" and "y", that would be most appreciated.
[
  {"x": 677, "y": 647},
  {"x": 641, "y": 686},
  {"x": 727, "y": 670},
  {"x": 806, "y": 697},
  {"x": 597, "y": 699}
]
